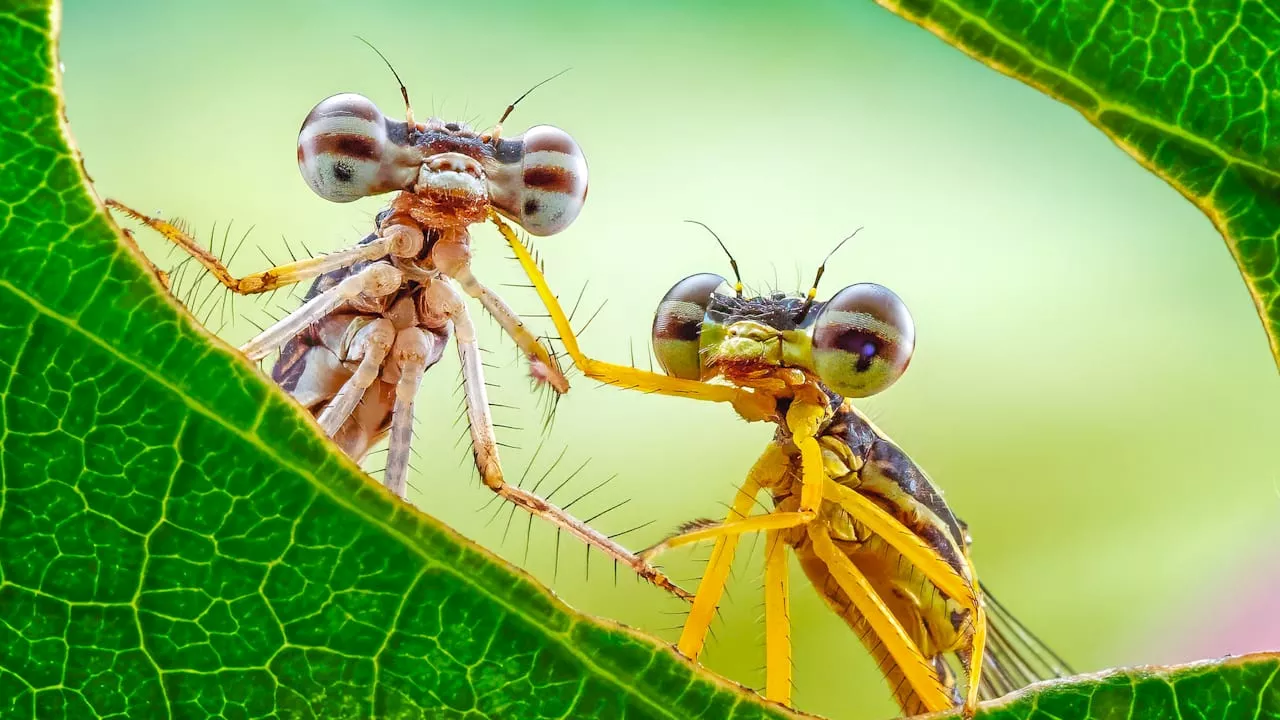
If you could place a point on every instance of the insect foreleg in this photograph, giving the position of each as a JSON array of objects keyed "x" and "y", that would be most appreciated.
[
  {"x": 397, "y": 240},
  {"x": 918, "y": 670},
  {"x": 803, "y": 420},
  {"x": 374, "y": 280}
]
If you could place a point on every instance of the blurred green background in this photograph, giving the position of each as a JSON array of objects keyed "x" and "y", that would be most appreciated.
[{"x": 1091, "y": 385}]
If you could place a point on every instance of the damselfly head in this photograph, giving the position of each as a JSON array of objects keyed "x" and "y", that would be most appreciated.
[
  {"x": 858, "y": 343},
  {"x": 677, "y": 325},
  {"x": 348, "y": 149},
  {"x": 704, "y": 326}
]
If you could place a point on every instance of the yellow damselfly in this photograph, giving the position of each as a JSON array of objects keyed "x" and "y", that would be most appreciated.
[{"x": 871, "y": 531}]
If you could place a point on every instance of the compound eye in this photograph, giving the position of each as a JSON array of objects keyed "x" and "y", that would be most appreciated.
[
  {"x": 546, "y": 194},
  {"x": 862, "y": 340},
  {"x": 344, "y": 152},
  {"x": 677, "y": 325}
]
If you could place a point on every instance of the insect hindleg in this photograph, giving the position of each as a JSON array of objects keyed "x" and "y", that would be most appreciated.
[
  {"x": 398, "y": 240},
  {"x": 484, "y": 447},
  {"x": 370, "y": 347},
  {"x": 748, "y": 403},
  {"x": 730, "y": 528},
  {"x": 918, "y": 670},
  {"x": 770, "y": 467},
  {"x": 374, "y": 280},
  {"x": 777, "y": 620},
  {"x": 800, "y": 420}
]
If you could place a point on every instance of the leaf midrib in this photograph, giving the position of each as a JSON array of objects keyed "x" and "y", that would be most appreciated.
[
  {"x": 1102, "y": 105},
  {"x": 253, "y": 440}
]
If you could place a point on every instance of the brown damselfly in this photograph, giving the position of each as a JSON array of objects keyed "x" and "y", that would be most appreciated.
[{"x": 380, "y": 313}]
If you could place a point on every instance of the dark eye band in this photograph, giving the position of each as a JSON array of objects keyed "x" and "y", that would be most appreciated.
[{"x": 862, "y": 340}]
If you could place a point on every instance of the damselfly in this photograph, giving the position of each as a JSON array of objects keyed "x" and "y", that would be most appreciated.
[
  {"x": 871, "y": 531},
  {"x": 379, "y": 314}
]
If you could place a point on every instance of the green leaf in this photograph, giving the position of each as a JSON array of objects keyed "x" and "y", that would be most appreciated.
[
  {"x": 176, "y": 540},
  {"x": 1246, "y": 687},
  {"x": 1189, "y": 89}
]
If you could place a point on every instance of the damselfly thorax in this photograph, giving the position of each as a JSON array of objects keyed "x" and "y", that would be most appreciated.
[
  {"x": 315, "y": 364},
  {"x": 381, "y": 312},
  {"x": 872, "y": 532}
]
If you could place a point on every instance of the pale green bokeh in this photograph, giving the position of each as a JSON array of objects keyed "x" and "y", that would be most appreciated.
[{"x": 1091, "y": 384}]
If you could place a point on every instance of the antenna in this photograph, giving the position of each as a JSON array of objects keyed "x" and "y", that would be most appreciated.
[
  {"x": 404, "y": 92},
  {"x": 497, "y": 127},
  {"x": 737, "y": 286},
  {"x": 813, "y": 289}
]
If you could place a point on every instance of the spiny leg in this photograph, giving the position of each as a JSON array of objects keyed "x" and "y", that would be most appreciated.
[
  {"x": 544, "y": 366},
  {"x": 370, "y": 347},
  {"x": 161, "y": 275},
  {"x": 485, "y": 449},
  {"x": 777, "y": 620},
  {"x": 483, "y": 443},
  {"x": 749, "y": 404},
  {"x": 801, "y": 421},
  {"x": 768, "y": 468},
  {"x": 414, "y": 351},
  {"x": 917, "y": 669},
  {"x": 730, "y": 528},
  {"x": 397, "y": 240},
  {"x": 374, "y": 280}
]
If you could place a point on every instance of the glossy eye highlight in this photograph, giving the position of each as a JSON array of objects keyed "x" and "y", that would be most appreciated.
[
  {"x": 546, "y": 183},
  {"x": 862, "y": 340},
  {"x": 677, "y": 325},
  {"x": 343, "y": 151}
]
